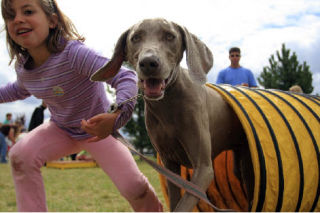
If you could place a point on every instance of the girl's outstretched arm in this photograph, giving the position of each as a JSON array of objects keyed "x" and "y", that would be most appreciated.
[
  {"x": 101, "y": 125},
  {"x": 125, "y": 83},
  {"x": 12, "y": 92}
]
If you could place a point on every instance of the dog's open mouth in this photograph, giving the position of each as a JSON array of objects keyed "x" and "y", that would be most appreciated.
[{"x": 153, "y": 88}]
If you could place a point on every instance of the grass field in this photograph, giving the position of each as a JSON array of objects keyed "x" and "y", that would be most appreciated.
[{"x": 70, "y": 190}]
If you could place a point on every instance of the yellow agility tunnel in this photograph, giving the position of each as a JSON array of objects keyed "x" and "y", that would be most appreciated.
[{"x": 283, "y": 133}]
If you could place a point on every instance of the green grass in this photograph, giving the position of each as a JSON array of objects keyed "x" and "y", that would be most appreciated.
[{"x": 70, "y": 190}]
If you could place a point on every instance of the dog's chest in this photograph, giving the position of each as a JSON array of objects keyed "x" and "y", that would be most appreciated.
[
  {"x": 173, "y": 151},
  {"x": 165, "y": 138}
]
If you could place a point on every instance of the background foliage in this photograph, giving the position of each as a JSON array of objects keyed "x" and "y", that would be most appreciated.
[
  {"x": 136, "y": 129},
  {"x": 285, "y": 71}
]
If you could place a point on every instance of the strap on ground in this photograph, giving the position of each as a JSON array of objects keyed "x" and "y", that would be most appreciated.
[{"x": 172, "y": 177}]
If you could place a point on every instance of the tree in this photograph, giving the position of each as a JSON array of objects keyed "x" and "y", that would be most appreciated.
[
  {"x": 286, "y": 72},
  {"x": 137, "y": 130}
]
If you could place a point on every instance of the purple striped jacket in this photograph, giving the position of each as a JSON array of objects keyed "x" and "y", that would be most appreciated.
[{"x": 63, "y": 82}]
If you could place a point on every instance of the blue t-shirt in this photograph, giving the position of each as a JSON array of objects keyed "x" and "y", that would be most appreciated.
[{"x": 236, "y": 76}]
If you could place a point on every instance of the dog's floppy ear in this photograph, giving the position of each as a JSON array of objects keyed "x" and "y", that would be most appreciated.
[
  {"x": 199, "y": 57},
  {"x": 111, "y": 68}
]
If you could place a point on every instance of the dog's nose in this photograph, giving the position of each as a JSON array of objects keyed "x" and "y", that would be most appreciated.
[{"x": 149, "y": 63}]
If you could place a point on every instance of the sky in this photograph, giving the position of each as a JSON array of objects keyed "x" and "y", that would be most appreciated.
[{"x": 258, "y": 27}]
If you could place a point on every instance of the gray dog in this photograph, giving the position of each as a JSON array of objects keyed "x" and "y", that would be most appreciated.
[{"x": 188, "y": 123}]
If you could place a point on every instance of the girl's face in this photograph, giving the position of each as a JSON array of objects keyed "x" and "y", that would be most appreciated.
[{"x": 29, "y": 26}]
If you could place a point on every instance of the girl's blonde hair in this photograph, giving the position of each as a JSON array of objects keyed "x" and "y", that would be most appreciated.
[{"x": 64, "y": 29}]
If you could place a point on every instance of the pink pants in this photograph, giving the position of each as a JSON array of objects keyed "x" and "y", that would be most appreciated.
[{"x": 48, "y": 142}]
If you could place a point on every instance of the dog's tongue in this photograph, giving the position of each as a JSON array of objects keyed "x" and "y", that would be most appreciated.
[{"x": 153, "y": 87}]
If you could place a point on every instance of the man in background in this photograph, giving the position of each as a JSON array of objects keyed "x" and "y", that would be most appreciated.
[
  {"x": 296, "y": 89},
  {"x": 8, "y": 119},
  {"x": 37, "y": 116},
  {"x": 235, "y": 74}
]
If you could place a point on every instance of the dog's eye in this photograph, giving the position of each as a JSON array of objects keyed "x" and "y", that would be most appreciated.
[
  {"x": 169, "y": 37},
  {"x": 136, "y": 38}
]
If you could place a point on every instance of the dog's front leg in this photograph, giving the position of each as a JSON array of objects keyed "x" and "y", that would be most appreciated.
[
  {"x": 173, "y": 191},
  {"x": 188, "y": 201},
  {"x": 200, "y": 156}
]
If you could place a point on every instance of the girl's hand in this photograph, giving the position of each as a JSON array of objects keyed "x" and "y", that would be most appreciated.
[{"x": 100, "y": 126}]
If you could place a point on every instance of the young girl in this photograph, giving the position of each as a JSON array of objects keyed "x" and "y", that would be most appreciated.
[{"x": 53, "y": 65}]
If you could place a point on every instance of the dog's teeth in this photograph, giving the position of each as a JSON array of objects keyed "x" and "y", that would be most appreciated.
[{"x": 154, "y": 87}]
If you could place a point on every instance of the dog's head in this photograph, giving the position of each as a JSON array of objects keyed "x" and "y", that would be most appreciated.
[{"x": 154, "y": 47}]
